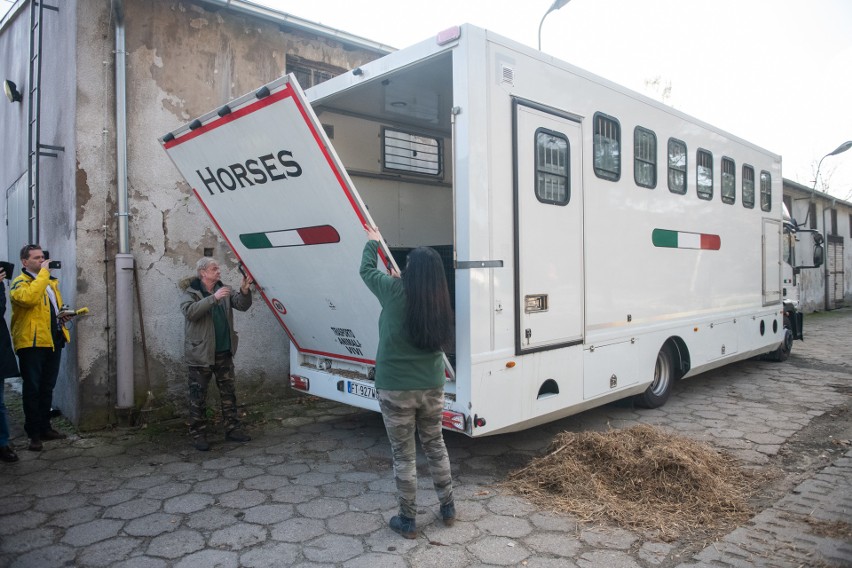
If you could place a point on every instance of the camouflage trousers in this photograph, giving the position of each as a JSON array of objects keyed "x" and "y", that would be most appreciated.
[
  {"x": 403, "y": 413},
  {"x": 199, "y": 381}
]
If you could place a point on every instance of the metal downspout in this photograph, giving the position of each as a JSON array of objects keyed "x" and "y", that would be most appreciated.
[{"x": 123, "y": 258}]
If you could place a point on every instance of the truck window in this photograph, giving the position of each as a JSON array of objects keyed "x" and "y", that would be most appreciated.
[
  {"x": 607, "y": 147},
  {"x": 704, "y": 174},
  {"x": 729, "y": 181},
  {"x": 788, "y": 247},
  {"x": 412, "y": 153},
  {"x": 765, "y": 191},
  {"x": 748, "y": 187},
  {"x": 644, "y": 157},
  {"x": 552, "y": 167},
  {"x": 677, "y": 166}
]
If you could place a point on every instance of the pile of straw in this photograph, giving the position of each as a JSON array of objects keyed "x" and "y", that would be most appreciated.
[{"x": 641, "y": 478}]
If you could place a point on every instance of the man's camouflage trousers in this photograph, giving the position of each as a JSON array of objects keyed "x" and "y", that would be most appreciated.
[
  {"x": 403, "y": 413},
  {"x": 199, "y": 381}
]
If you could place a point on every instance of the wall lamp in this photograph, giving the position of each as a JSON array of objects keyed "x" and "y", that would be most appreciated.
[{"x": 12, "y": 92}]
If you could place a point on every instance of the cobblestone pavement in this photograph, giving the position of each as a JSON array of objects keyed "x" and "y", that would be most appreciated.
[{"x": 317, "y": 489}]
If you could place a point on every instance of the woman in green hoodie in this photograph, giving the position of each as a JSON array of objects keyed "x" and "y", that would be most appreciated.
[{"x": 415, "y": 324}]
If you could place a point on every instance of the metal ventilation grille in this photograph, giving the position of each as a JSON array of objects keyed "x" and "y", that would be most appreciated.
[{"x": 508, "y": 75}]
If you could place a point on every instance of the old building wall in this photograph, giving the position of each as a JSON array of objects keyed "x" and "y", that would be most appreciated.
[
  {"x": 182, "y": 60},
  {"x": 813, "y": 281},
  {"x": 54, "y": 227}
]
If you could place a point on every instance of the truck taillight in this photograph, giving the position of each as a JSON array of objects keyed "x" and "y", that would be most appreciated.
[
  {"x": 453, "y": 420},
  {"x": 300, "y": 383}
]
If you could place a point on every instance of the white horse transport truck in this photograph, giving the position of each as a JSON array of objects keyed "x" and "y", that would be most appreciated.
[{"x": 598, "y": 245}]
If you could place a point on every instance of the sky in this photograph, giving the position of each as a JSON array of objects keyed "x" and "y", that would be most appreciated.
[{"x": 777, "y": 73}]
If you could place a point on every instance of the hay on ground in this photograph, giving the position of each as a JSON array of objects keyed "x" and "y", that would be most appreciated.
[{"x": 640, "y": 477}]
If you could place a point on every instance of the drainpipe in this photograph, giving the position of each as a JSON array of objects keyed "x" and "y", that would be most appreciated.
[
  {"x": 827, "y": 274},
  {"x": 123, "y": 258}
]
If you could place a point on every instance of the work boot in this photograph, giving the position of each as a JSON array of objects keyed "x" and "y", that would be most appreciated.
[
  {"x": 237, "y": 435},
  {"x": 200, "y": 443},
  {"x": 7, "y": 454},
  {"x": 448, "y": 513},
  {"x": 53, "y": 435},
  {"x": 404, "y": 526},
  {"x": 35, "y": 445}
]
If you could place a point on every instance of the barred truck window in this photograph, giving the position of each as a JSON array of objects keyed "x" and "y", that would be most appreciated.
[
  {"x": 748, "y": 187},
  {"x": 552, "y": 167},
  {"x": 729, "y": 181},
  {"x": 645, "y": 157},
  {"x": 412, "y": 153},
  {"x": 765, "y": 191},
  {"x": 704, "y": 174},
  {"x": 607, "y": 147},
  {"x": 677, "y": 166}
]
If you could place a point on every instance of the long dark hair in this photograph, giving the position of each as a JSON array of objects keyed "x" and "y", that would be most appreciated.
[{"x": 428, "y": 314}]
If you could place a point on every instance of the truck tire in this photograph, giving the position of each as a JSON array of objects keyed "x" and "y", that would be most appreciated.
[
  {"x": 786, "y": 346},
  {"x": 659, "y": 390}
]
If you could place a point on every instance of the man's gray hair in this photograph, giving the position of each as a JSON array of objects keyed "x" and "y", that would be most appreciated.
[{"x": 203, "y": 264}]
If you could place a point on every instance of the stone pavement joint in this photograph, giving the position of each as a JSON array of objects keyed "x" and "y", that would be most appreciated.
[{"x": 317, "y": 489}]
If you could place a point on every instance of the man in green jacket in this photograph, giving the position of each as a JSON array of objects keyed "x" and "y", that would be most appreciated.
[
  {"x": 38, "y": 334},
  {"x": 210, "y": 343}
]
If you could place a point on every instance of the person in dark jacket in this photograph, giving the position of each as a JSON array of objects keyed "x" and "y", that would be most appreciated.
[
  {"x": 415, "y": 324},
  {"x": 8, "y": 368},
  {"x": 210, "y": 343}
]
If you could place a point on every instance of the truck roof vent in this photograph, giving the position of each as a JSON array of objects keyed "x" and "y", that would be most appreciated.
[{"x": 508, "y": 75}]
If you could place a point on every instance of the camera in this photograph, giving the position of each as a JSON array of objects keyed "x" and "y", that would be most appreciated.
[
  {"x": 53, "y": 263},
  {"x": 8, "y": 268}
]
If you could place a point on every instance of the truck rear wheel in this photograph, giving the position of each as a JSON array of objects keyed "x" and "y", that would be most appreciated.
[{"x": 659, "y": 390}]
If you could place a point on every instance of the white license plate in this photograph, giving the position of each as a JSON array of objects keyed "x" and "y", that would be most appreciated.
[{"x": 358, "y": 389}]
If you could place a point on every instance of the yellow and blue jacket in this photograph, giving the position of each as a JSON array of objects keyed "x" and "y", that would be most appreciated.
[{"x": 31, "y": 313}]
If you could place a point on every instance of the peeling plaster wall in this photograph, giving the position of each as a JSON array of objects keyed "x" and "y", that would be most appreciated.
[{"x": 182, "y": 61}]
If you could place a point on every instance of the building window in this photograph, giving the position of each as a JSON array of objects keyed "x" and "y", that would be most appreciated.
[
  {"x": 729, "y": 181},
  {"x": 552, "y": 167},
  {"x": 834, "y": 221},
  {"x": 850, "y": 224},
  {"x": 765, "y": 191},
  {"x": 310, "y": 73},
  {"x": 748, "y": 187},
  {"x": 788, "y": 203},
  {"x": 607, "y": 147},
  {"x": 644, "y": 157},
  {"x": 812, "y": 222},
  {"x": 677, "y": 166},
  {"x": 412, "y": 153},
  {"x": 704, "y": 174}
]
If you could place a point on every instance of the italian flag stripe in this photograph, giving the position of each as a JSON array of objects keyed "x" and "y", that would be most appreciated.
[
  {"x": 665, "y": 238},
  {"x": 321, "y": 234}
]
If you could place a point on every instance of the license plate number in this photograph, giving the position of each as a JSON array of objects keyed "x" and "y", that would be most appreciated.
[{"x": 358, "y": 389}]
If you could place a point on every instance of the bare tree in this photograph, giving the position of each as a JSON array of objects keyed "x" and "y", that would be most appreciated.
[{"x": 659, "y": 88}]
